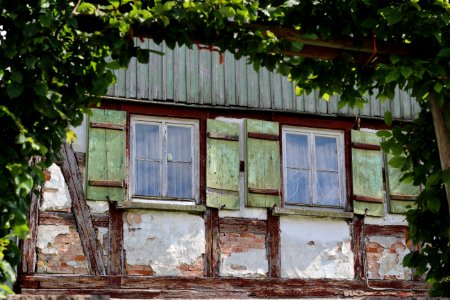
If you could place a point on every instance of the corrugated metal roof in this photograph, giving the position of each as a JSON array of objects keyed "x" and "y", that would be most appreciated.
[{"x": 191, "y": 76}]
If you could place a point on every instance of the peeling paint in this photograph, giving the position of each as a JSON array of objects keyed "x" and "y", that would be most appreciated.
[
  {"x": 98, "y": 207},
  {"x": 252, "y": 263},
  {"x": 59, "y": 250},
  {"x": 384, "y": 258},
  {"x": 55, "y": 196},
  {"x": 164, "y": 241},
  {"x": 315, "y": 248}
]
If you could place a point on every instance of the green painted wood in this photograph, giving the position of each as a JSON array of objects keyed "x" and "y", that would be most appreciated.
[
  {"x": 262, "y": 164},
  {"x": 168, "y": 69},
  {"x": 222, "y": 201},
  {"x": 259, "y": 200},
  {"x": 106, "y": 155},
  {"x": 230, "y": 79},
  {"x": 195, "y": 209},
  {"x": 259, "y": 126},
  {"x": 179, "y": 74},
  {"x": 399, "y": 188},
  {"x": 222, "y": 166},
  {"x": 363, "y": 137},
  {"x": 373, "y": 209},
  {"x": 400, "y": 207},
  {"x": 205, "y": 82},
  {"x": 367, "y": 172},
  {"x": 302, "y": 211}
]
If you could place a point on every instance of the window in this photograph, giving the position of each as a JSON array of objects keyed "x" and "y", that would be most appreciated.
[
  {"x": 313, "y": 167},
  {"x": 164, "y": 159}
]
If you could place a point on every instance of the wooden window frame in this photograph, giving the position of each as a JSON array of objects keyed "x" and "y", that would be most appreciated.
[
  {"x": 195, "y": 148},
  {"x": 341, "y": 156}
]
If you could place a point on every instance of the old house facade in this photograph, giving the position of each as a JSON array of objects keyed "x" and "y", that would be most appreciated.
[{"x": 201, "y": 179}]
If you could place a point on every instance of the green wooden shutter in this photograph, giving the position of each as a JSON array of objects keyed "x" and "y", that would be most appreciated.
[
  {"x": 106, "y": 155},
  {"x": 222, "y": 165},
  {"x": 263, "y": 167},
  {"x": 401, "y": 195},
  {"x": 367, "y": 173}
]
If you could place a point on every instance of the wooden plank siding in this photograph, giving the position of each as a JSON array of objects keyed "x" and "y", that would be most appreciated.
[{"x": 186, "y": 76}]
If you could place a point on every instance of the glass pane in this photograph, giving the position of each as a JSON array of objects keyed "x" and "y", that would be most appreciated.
[
  {"x": 328, "y": 188},
  {"x": 326, "y": 153},
  {"x": 179, "y": 180},
  {"x": 147, "y": 141},
  {"x": 297, "y": 186},
  {"x": 147, "y": 178},
  {"x": 297, "y": 151},
  {"x": 179, "y": 143}
]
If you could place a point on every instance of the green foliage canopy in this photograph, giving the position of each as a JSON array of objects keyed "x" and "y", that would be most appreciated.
[{"x": 56, "y": 59}]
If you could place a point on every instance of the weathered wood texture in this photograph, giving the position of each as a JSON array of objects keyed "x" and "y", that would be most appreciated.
[
  {"x": 222, "y": 166},
  {"x": 240, "y": 225},
  {"x": 176, "y": 287},
  {"x": 367, "y": 174},
  {"x": 262, "y": 164},
  {"x": 65, "y": 218},
  {"x": 443, "y": 139},
  {"x": 273, "y": 244},
  {"x": 357, "y": 246},
  {"x": 386, "y": 230},
  {"x": 81, "y": 211},
  {"x": 211, "y": 217},
  {"x": 116, "y": 252},
  {"x": 28, "y": 263}
]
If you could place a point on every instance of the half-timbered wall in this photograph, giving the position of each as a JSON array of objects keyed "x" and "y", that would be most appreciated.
[{"x": 146, "y": 250}]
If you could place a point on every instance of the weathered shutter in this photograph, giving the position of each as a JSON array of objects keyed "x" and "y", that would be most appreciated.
[
  {"x": 222, "y": 165},
  {"x": 263, "y": 163},
  {"x": 106, "y": 155},
  {"x": 367, "y": 172},
  {"x": 401, "y": 195}
]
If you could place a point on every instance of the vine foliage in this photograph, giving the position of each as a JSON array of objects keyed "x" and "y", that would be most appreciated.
[{"x": 57, "y": 57}]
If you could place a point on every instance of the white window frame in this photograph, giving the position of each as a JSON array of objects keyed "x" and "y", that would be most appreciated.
[
  {"x": 311, "y": 133},
  {"x": 163, "y": 123}
]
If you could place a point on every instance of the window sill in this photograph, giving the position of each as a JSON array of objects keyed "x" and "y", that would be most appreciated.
[
  {"x": 297, "y": 211},
  {"x": 198, "y": 209}
]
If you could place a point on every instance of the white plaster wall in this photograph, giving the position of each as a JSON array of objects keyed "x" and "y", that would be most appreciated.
[
  {"x": 252, "y": 263},
  {"x": 388, "y": 219},
  {"x": 80, "y": 144},
  {"x": 315, "y": 248},
  {"x": 46, "y": 236},
  {"x": 55, "y": 196},
  {"x": 163, "y": 240}
]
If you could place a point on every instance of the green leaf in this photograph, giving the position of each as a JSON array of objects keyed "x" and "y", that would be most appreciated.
[
  {"x": 444, "y": 53},
  {"x": 438, "y": 87},
  {"x": 384, "y": 133},
  {"x": 227, "y": 11},
  {"x": 388, "y": 118},
  {"x": 406, "y": 71},
  {"x": 40, "y": 89},
  {"x": 86, "y": 8},
  {"x": 14, "y": 90},
  {"x": 169, "y": 5},
  {"x": 433, "y": 204},
  {"x": 392, "y": 76},
  {"x": 397, "y": 161}
]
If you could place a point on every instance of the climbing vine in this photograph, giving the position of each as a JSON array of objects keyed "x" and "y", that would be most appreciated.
[{"x": 57, "y": 57}]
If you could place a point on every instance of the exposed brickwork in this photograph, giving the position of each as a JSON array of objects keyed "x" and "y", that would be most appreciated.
[
  {"x": 241, "y": 242},
  {"x": 139, "y": 270},
  {"x": 384, "y": 256},
  {"x": 193, "y": 270},
  {"x": 62, "y": 255}
]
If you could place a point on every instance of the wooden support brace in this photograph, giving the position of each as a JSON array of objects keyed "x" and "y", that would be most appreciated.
[{"x": 81, "y": 211}]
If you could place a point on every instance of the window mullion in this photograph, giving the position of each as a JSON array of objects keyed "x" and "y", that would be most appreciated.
[
  {"x": 312, "y": 170},
  {"x": 163, "y": 159}
]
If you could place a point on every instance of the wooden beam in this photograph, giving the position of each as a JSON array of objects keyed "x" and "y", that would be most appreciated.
[
  {"x": 28, "y": 263},
  {"x": 65, "y": 218},
  {"x": 116, "y": 252},
  {"x": 81, "y": 211},
  {"x": 443, "y": 139},
  {"x": 357, "y": 246},
  {"x": 273, "y": 244},
  {"x": 211, "y": 217},
  {"x": 240, "y": 225},
  {"x": 194, "y": 287},
  {"x": 386, "y": 230}
]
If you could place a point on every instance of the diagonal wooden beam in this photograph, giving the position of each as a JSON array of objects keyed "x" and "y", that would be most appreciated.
[
  {"x": 28, "y": 264},
  {"x": 81, "y": 211}
]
